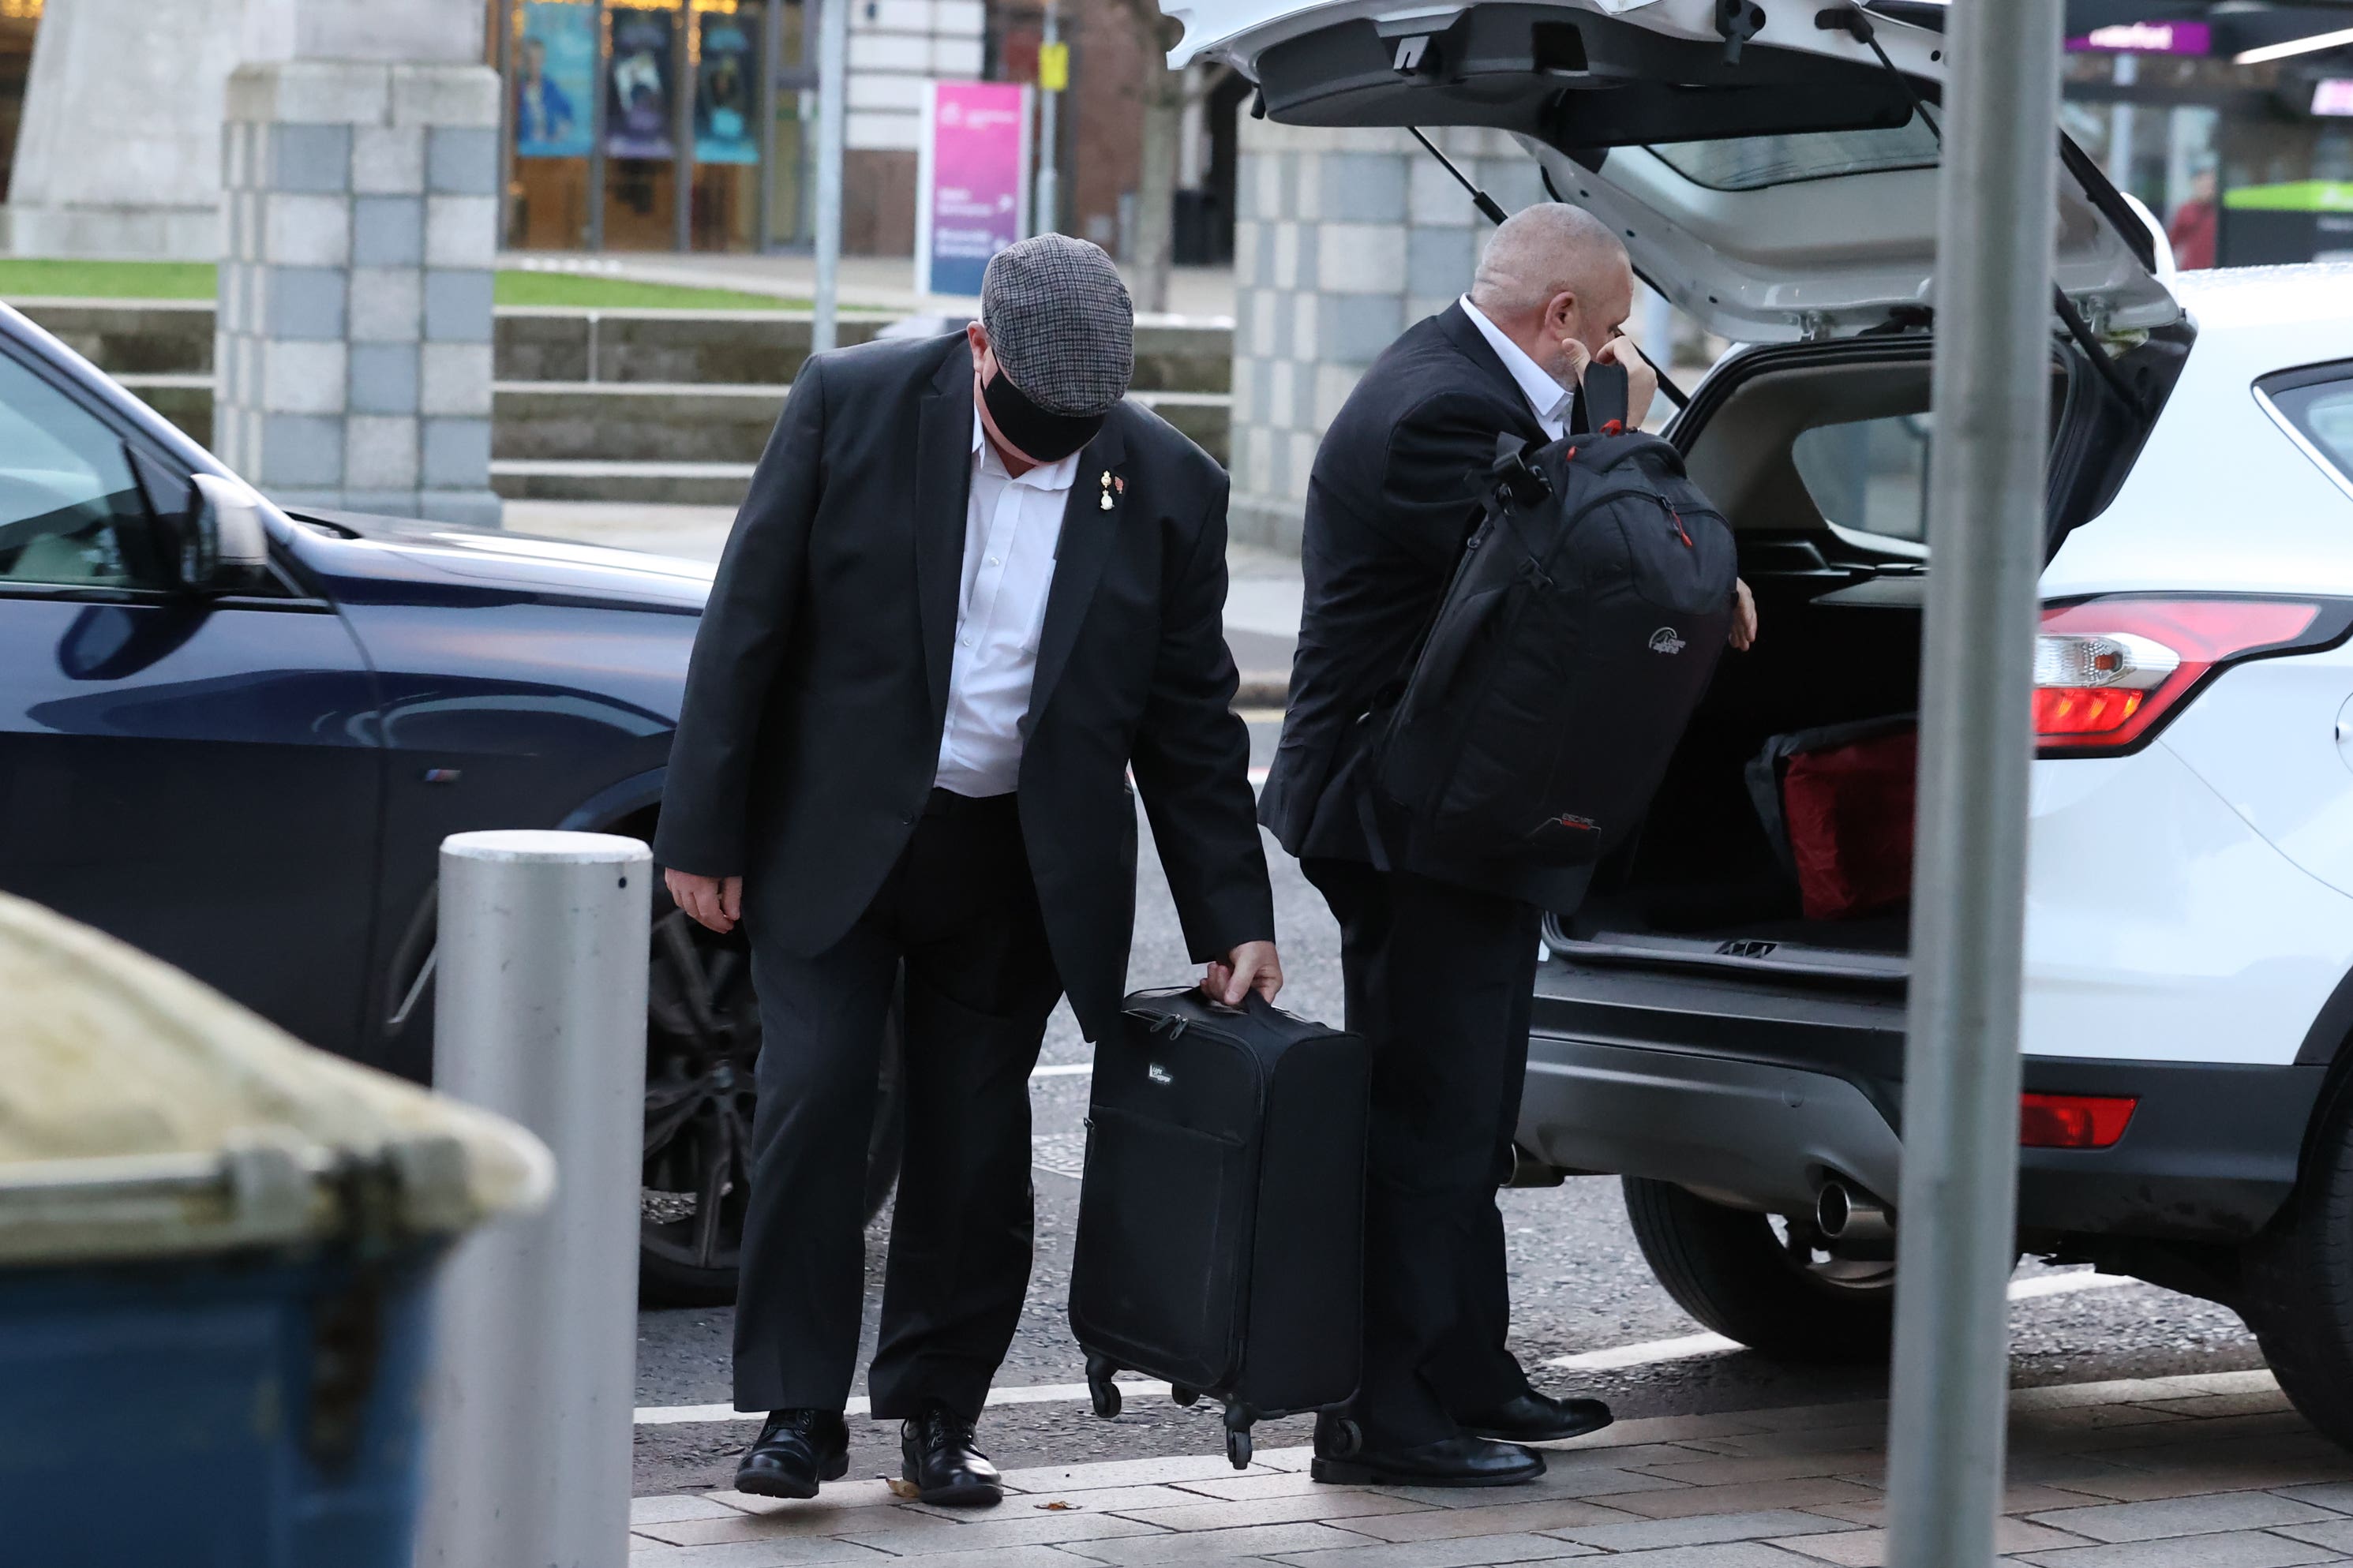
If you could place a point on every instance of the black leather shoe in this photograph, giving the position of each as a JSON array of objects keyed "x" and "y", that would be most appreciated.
[
  {"x": 795, "y": 1451},
  {"x": 940, "y": 1460},
  {"x": 1449, "y": 1462},
  {"x": 1534, "y": 1418}
]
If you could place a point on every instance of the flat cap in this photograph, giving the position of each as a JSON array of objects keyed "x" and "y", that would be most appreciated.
[{"x": 1061, "y": 323}]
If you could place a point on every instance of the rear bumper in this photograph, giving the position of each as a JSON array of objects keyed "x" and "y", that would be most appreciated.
[{"x": 1759, "y": 1108}]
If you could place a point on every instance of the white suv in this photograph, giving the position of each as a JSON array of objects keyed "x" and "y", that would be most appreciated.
[{"x": 2189, "y": 929}]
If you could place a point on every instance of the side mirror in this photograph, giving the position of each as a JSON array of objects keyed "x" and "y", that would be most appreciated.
[{"x": 226, "y": 539}]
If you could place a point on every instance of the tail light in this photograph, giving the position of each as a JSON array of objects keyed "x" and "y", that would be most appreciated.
[
  {"x": 2072, "y": 1121},
  {"x": 2109, "y": 672}
]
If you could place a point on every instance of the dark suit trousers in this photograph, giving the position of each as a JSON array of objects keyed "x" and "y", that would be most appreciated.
[
  {"x": 1439, "y": 980},
  {"x": 960, "y": 911}
]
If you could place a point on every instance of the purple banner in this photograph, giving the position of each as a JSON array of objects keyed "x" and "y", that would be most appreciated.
[
  {"x": 2147, "y": 38},
  {"x": 975, "y": 182}
]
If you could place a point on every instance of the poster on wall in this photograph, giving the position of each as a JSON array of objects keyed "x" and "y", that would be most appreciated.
[
  {"x": 555, "y": 80},
  {"x": 727, "y": 92},
  {"x": 638, "y": 114},
  {"x": 972, "y": 182}
]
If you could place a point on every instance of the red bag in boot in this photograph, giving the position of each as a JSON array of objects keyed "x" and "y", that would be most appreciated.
[{"x": 1837, "y": 804}]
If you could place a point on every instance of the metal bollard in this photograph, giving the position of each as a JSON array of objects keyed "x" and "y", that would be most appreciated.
[{"x": 540, "y": 1017}]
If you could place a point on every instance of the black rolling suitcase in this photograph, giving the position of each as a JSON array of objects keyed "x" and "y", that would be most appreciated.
[{"x": 1220, "y": 1237}]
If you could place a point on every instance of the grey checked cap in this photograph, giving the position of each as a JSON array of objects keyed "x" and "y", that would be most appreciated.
[{"x": 1061, "y": 323}]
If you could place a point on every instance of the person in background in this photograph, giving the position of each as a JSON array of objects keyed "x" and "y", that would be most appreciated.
[
  {"x": 971, "y": 589},
  {"x": 2195, "y": 228},
  {"x": 1438, "y": 958}
]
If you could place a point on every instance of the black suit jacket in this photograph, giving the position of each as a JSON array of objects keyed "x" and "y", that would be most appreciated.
[
  {"x": 810, "y": 732},
  {"x": 1389, "y": 502}
]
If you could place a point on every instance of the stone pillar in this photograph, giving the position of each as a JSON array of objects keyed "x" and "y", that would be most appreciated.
[
  {"x": 119, "y": 150},
  {"x": 352, "y": 363},
  {"x": 1343, "y": 239}
]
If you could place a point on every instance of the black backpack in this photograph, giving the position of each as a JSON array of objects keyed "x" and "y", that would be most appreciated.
[{"x": 1580, "y": 630}]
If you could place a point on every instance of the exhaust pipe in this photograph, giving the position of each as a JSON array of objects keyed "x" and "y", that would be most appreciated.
[{"x": 1847, "y": 1213}]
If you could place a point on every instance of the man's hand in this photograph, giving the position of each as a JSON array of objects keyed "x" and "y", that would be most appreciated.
[
  {"x": 1254, "y": 966},
  {"x": 714, "y": 901},
  {"x": 1744, "y": 616},
  {"x": 1641, "y": 380}
]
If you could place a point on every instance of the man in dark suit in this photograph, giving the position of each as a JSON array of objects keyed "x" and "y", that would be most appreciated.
[
  {"x": 970, "y": 590},
  {"x": 1440, "y": 954}
]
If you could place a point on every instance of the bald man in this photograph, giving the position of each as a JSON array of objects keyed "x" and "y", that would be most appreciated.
[{"x": 1439, "y": 953}]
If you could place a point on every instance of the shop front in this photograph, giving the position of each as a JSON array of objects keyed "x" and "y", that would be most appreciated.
[
  {"x": 656, "y": 124},
  {"x": 2235, "y": 130}
]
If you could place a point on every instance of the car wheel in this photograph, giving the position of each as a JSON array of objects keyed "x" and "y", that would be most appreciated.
[
  {"x": 1767, "y": 1283},
  {"x": 702, "y": 1042},
  {"x": 2297, "y": 1286}
]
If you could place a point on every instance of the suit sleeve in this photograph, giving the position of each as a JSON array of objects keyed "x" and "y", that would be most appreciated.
[
  {"x": 1191, "y": 760},
  {"x": 1426, "y": 505},
  {"x": 747, "y": 626}
]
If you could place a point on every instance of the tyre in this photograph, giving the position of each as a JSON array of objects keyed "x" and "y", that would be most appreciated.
[
  {"x": 1775, "y": 1289},
  {"x": 2296, "y": 1285},
  {"x": 702, "y": 1042}
]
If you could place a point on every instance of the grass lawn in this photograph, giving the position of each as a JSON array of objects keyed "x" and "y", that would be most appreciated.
[{"x": 32, "y": 278}]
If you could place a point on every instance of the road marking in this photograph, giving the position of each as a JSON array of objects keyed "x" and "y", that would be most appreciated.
[
  {"x": 1611, "y": 1360},
  {"x": 1043, "y": 1394},
  {"x": 1622, "y": 1356}
]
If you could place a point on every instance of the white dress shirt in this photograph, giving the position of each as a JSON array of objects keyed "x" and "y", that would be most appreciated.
[
  {"x": 1547, "y": 397},
  {"x": 1011, "y": 527}
]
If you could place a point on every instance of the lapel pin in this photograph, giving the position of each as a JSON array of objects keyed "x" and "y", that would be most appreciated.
[
  {"x": 1108, "y": 485},
  {"x": 1106, "y": 501}
]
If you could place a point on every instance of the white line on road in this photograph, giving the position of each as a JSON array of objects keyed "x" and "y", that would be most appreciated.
[
  {"x": 1611, "y": 1360},
  {"x": 1689, "y": 1346}
]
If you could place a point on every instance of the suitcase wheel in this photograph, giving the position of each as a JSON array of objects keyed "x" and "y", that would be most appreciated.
[
  {"x": 1182, "y": 1395},
  {"x": 1238, "y": 1437},
  {"x": 1351, "y": 1438},
  {"x": 1100, "y": 1386}
]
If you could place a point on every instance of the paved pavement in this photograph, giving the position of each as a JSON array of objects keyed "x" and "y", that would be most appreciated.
[{"x": 2208, "y": 1471}]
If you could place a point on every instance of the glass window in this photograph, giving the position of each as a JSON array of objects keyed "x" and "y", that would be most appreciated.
[
  {"x": 2319, "y": 404},
  {"x": 66, "y": 491},
  {"x": 1868, "y": 475},
  {"x": 1753, "y": 162}
]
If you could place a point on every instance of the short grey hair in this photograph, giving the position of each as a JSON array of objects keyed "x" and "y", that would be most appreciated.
[{"x": 1540, "y": 251}]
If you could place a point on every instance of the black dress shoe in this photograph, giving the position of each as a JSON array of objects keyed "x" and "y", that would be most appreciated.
[
  {"x": 794, "y": 1451},
  {"x": 1534, "y": 1418},
  {"x": 940, "y": 1460},
  {"x": 1459, "y": 1462}
]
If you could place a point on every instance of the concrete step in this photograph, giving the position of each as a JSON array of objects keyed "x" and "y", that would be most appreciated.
[
  {"x": 541, "y": 342},
  {"x": 184, "y": 397},
  {"x": 642, "y": 421},
  {"x": 669, "y": 423},
  {"x": 676, "y": 484}
]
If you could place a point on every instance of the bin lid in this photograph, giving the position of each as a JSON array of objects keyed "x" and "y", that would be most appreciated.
[{"x": 144, "y": 1114}]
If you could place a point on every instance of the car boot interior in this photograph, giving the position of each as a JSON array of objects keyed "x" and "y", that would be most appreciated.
[{"x": 1818, "y": 454}]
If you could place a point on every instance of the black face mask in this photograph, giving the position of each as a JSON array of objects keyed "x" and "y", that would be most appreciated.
[{"x": 1039, "y": 433}]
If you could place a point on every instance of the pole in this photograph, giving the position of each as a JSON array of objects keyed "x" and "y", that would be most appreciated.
[
  {"x": 771, "y": 50},
  {"x": 603, "y": 32},
  {"x": 2126, "y": 71},
  {"x": 540, "y": 1017},
  {"x": 1049, "y": 142},
  {"x": 689, "y": 55},
  {"x": 832, "y": 90},
  {"x": 507, "y": 19},
  {"x": 1990, "y": 392}
]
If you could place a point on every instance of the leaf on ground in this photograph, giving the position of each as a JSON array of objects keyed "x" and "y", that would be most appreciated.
[
  {"x": 1056, "y": 1507},
  {"x": 902, "y": 1487}
]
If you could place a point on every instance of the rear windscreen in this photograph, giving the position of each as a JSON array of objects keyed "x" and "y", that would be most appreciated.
[{"x": 1753, "y": 162}]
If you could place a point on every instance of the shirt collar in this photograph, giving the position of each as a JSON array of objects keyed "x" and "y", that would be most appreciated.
[
  {"x": 1045, "y": 477},
  {"x": 1546, "y": 395}
]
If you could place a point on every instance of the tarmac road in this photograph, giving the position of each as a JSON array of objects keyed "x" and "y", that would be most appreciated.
[{"x": 1578, "y": 1286}]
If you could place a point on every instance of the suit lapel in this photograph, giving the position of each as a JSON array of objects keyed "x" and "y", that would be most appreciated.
[
  {"x": 1088, "y": 533},
  {"x": 942, "y": 491}
]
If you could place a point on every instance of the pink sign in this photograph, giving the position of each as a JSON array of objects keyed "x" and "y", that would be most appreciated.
[
  {"x": 973, "y": 184},
  {"x": 2147, "y": 38}
]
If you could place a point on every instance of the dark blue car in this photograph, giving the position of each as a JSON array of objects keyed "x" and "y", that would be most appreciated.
[{"x": 236, "y": 736}]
